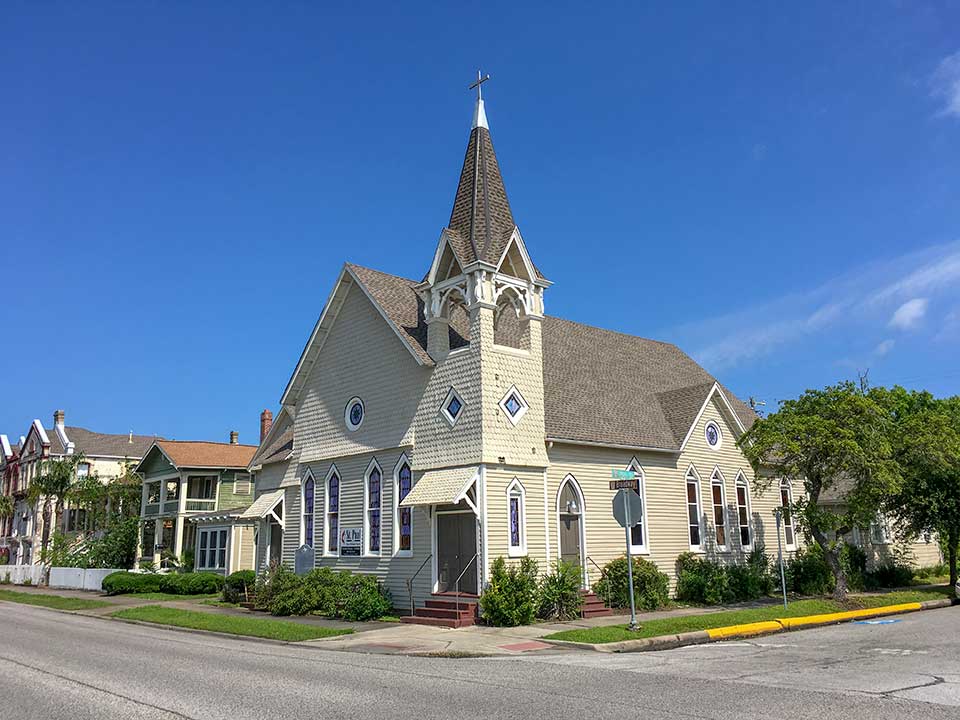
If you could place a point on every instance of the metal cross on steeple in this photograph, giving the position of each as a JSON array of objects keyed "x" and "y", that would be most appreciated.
[{"x": 481, "y": 79}]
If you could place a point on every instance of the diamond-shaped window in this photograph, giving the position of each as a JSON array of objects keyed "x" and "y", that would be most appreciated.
[
  {"x": 513, "y": 405},
  {"x": 452, "y": 407}
]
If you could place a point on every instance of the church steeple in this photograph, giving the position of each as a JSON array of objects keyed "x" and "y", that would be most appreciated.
[{"x": 481, "y": 216}]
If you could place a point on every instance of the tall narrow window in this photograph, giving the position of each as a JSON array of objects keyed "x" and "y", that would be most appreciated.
[
  {"x": 638, "y": 533},
  {"x": 786, "y": 503},
  {"x": 373, "y": 499},
  {"x": 693, "y": 508},
  {"x": 333, "y": 512},
  {"x": 719, "y": 512},
  {"x": 404, "y": 514},
  {"x": 743, "y": 511},
  {"x": 516, "y": 519},
  {"x": 309, "y": 490}
]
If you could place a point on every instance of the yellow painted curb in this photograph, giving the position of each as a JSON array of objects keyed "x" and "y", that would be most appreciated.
[
  {"x": 828, "y": 618},
  {"x": 745, "y": 630}
]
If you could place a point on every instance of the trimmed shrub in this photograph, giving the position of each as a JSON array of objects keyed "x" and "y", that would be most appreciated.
[
  {"x": 650, "y": 586},
  {"x": 334, "y": 594},
  {"x": 365, "y": 598},
  {"x": 710, "y": 583},
  {"x": 512, "y": 597},
  {"x": 560, "y": 596},
  {"x": 239, "y": 586},
  {"x": 891, "y": 575},
  {"x": 199, "y": 583},
  {"x": 808, "y": 573},
  {"x": 123, "y": 582}
]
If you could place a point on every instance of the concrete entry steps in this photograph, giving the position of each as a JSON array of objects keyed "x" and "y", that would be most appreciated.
[
  {"x": 446, "y": 610},
  {"x": 593, "y": 606}
]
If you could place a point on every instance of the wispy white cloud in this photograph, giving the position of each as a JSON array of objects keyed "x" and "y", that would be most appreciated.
[
  {"x": 866, "y": 300},
  {"x": 945, "y": 85},
  {"x": 884, "y": 348},
  {"x": 909, "y": 315}
]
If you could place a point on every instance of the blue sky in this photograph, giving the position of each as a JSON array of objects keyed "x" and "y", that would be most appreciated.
[{"x": 775, "y": 189}]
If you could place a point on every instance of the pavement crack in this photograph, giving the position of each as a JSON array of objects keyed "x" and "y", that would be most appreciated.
[
  {"x": 937, "y": 680},
  {"x": 141, "y": 703}
]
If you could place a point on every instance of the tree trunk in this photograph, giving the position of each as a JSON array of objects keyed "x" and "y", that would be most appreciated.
[
  {"x": 952, "y": 541},
  {"x": 45, "y": 536},
  {"x": 832, "y": 556}
]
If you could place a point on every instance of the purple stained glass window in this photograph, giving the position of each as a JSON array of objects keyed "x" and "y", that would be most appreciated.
[
  {"x": 333, "y": 513},
  {"x": 373, "y": 508},
  {"x": 512, "y": 405},
  {"x": 514, "y": 521},
  {"x": 308, "y": 500},
  {"x": 406, "y": 529}
]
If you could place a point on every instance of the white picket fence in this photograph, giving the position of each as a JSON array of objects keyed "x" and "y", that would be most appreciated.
[{"x": 62, "y": 578}]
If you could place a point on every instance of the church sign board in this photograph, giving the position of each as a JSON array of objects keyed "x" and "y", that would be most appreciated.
[{"x": 351, "y": 542}]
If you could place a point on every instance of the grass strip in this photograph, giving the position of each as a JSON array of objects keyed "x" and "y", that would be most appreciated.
[
  {"x": 57, "y": 602},
  {"x": 232, "y": 624},
  {"x": 709, "y": 621},
  {"x": 162, "y": 596}
]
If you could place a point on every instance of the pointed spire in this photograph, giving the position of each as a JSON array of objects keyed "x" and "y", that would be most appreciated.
[{"x": 481, "y": 214}]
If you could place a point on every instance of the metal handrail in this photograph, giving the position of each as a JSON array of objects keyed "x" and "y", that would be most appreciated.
[
  {"x": 594, "y": 563},
  {"x": 459, "y": 577},
  {"x": 413, "y": 577}
]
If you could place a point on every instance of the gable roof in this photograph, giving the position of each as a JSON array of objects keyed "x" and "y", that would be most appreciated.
[
  {"x": 94, "y": 444},
  {"x": 202, "y": 454},
  {"x": 588, "y": 372},
  {"x": 277, "y": 445}
]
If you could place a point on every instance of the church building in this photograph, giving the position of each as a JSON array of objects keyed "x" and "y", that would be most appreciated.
[{"x": 431, "y": 426}]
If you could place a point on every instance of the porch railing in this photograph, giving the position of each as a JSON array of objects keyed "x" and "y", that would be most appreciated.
[
  {"x": 201, "y": 504},
  {"x": 413, "y": 577},
  {"x": 459, "y": 578},
  {"x": 151, "y": 509}
]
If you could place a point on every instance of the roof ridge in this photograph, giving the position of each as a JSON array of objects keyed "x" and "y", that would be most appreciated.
[
  {"x": 207, "y": 442},
  {"x": 381, "y": 272},
  {"x": 615, "y": 332}
]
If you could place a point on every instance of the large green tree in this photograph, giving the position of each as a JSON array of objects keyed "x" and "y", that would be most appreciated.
[
  {"x": 51, "y": 488},
  {"x": 832, "y": 441},
  {"x": 926, "y": 442}
]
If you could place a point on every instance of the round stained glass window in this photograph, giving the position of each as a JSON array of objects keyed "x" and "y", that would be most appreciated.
[
  {"x": 714, "y": 438},
  {"x": 354, "y": 413}
]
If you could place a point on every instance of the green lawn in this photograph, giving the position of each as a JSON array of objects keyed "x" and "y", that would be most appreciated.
[
  {"x": 57, "y": 602},
  {"x": 689, "y": 623},
  {"x": 233, "y": 624}
]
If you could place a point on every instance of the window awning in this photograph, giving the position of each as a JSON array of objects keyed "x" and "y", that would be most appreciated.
[
  {"x": 263, "y": 506},
  {"x": 440, "y": 487}
]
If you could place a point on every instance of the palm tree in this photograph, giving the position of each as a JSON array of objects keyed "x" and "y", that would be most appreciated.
[
  {"x": 51, "y": 486},
  {"x": 6, "y": 509}
]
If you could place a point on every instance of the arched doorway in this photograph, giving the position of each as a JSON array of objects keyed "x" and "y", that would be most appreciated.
[{"x": 570, "y": 528}]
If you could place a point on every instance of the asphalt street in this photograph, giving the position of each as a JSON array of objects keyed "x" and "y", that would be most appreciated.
[{"x": 54, "y": 665}]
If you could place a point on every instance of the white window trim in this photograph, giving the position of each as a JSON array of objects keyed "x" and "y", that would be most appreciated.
[
  {"x": 515, "y": 488},
  {"x": 308, "y": 475},
  {"x": 514, "y": 419},
  {"x": 793, "y": 526},
  {"x": 717, "y": 480},
  {"x": 226, "y": 548},
  {"x": 397, "y": 552},
  {"x": 644, "y": 548},
  {"x": 327, "y": 552},
  {"x": 367, "y": 552},
  {"x": 686, "y": 505},
  {"x": 742, "y": 482},
  {"x": 707, "y": 426},
  {"x": 880, "y": 533},
  {"x": 346, "y": 414},
  {"x": 446, "y": 401}
]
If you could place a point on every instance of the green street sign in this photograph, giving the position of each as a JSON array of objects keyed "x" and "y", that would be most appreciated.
[{"x": 623, "y": 474}]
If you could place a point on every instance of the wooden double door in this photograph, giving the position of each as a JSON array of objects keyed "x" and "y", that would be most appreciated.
[{"x": 457, "y": 552}]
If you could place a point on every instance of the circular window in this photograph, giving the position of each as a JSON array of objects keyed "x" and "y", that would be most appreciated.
[
  {"x": 353, "y": 415},
  {"x": 713, "y": 434}
]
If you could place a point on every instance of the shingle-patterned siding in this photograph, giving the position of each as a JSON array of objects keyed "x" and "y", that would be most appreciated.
[
  {"x": 362, "y": 357},
  {"x": 665, "y": 475}
]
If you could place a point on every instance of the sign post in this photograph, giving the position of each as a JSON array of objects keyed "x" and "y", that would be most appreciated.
[
  {"x": 628, "y": 511},
  {"x": 778, "y": 513}
]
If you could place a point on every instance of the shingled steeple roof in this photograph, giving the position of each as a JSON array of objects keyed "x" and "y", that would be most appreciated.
[{"x": 481, "y": 221}]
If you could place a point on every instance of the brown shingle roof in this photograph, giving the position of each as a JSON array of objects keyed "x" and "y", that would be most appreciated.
[
  {"x": 189, "y": 453},
  {"x": 599, "y": 385},
  {"x": 102, "y": 444},
  {"x": 278, "y": 450}
]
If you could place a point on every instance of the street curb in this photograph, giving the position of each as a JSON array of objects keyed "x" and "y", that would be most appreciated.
[{"x": 768, "y": 627}]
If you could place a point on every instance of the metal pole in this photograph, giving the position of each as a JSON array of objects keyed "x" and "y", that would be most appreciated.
[
  {"x": 783, "y": 580},
  {"x": 626, "y": 531}
]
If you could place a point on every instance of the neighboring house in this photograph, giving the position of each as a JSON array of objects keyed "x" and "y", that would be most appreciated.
[
  {"x": 193, "y": 496},
  {"x": 106, "y": 456},
  {"x": 882, "y": 541},
  {"x": 8, "y": 479},
  {"x": 430, "y": 427}
]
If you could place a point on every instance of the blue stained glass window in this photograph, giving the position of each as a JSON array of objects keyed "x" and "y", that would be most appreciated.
[
  {"x": 454, "y": 407},
  {"x": 512, "y": 405},
  {"x": 356, "y": 413},
  {"x": 308, "y": 495},
  {"x": 373, "y": 509},
  {"x": 405, "y": 519},
  {"x": 514, "y": 521},
  {"x": 713, "y": 434},
  {"x": 333, "y": 516}
]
